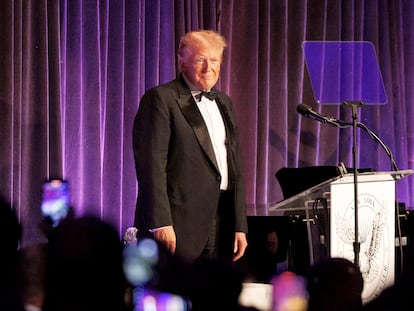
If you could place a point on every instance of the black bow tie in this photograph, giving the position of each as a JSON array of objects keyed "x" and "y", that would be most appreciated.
[{"x": 210, "y": 95}]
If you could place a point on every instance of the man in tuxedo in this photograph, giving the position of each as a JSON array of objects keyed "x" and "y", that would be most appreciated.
[{"x": 191, "y": 195}]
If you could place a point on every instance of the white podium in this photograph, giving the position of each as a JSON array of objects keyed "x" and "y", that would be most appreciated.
[{"x": 332, "y": 204}]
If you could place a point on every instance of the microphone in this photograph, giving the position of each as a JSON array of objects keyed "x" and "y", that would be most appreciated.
[{"x": 308, "y": 112}]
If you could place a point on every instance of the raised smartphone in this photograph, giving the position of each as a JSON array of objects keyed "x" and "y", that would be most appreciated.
[{"x": 55, "y": 201}]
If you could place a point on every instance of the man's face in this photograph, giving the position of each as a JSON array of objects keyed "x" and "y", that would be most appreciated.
[{"x": 201, "y": 65}]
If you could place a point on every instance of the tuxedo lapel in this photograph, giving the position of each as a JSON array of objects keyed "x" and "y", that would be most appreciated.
[
  {"x": 228, "y": 120},
  {"x": 230, "y": 138},
  {"x": 195, "y": 119}
]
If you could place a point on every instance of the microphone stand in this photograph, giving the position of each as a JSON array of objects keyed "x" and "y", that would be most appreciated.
[{"x": 355, "y": 105}]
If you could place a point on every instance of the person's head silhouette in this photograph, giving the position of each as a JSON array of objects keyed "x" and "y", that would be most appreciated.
[
  {"x": 84, "y": 267},
  {"x": 335, "y": 284},
  {"x": 10, "y": 236}
]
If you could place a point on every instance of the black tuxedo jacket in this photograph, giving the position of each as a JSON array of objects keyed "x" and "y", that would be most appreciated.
[{"x": 178, "y": 177}]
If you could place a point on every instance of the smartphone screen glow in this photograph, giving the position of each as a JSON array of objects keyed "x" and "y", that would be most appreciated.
[{"x": 55, "y": 200}]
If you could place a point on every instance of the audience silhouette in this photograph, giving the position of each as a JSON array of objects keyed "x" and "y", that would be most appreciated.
[
  {"x": 81, "y": 267},
  {"x": 215, "y": 285},
  {"x": 10, "y": 236},
  {"x": 31, "y": 267},
  {"x": 84, "y": 267},
  {"x": 334, "y": 284}
]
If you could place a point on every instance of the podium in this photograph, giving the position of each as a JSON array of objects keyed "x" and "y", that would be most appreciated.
[{"x": 328, "y": 209}]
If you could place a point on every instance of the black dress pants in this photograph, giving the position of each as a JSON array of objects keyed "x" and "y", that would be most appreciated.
[{"x": 220, "y": 243}]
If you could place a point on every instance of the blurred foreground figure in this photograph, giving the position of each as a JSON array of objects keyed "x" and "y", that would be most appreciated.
[
  {"x": 10, "y": 235},
  {"x": 84, "y": 267},
  {"x": 32, "y": 275},
  {"x": 335, "y": 284},
  {"x": 289, "y": 292}
]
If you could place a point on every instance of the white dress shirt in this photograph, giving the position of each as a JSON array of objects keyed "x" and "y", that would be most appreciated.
[{"x": 217, "y": 131}]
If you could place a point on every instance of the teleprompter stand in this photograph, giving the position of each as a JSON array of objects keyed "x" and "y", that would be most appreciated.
[
  {"x": 346, "y": 72},
  {"x": 354, "y": 105}
]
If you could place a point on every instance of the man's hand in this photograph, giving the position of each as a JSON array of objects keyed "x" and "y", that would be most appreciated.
[
  {"x": 166, "y": 236},
  {"x": 240, "y": 245}
]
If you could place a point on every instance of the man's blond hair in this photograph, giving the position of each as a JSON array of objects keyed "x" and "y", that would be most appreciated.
[{"x": 210, "y": 37}]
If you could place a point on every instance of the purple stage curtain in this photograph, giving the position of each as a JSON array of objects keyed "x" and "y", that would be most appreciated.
[{"x": 73, "y": 71}]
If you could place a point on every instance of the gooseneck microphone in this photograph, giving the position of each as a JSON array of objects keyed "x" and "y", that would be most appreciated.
[{"x": 308, "y": 112}]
